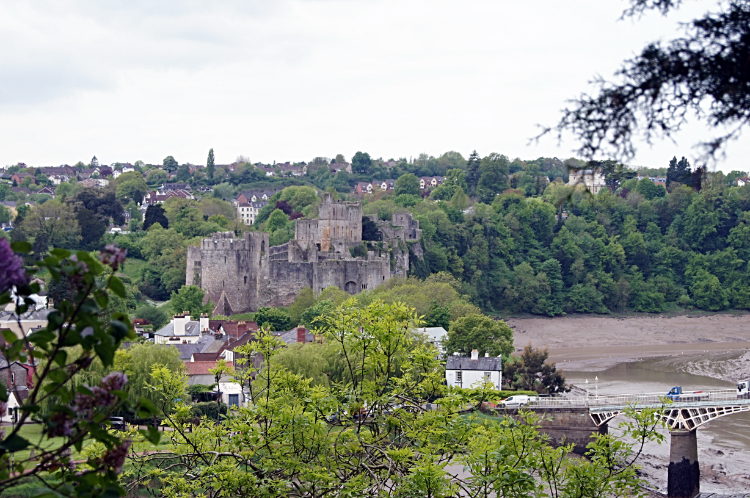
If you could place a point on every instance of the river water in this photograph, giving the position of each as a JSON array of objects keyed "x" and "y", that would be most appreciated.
[{"x": 724, "y": 444}]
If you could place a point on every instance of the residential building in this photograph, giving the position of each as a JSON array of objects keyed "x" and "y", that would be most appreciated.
[
  {"x": 248, "y": 211},
  {"x": 35, "y": 319},
  {"x": 174, "y": 186},
  {"x": 435, "y": 336},
  {"x": 255, "y": 195},
  {"x": 95, "y": 182},
  {"x": 296, "y": 335},
  {"x": 336, "y": 167},
  {"x": 18, "y": 177},
  {"x": 467, "y": 372},
  {"x": 430, "y": 181},
  {"x": 181, "y": 330},
  {"x": 363, "y": 188},
  {"x": 593, "y": 180},
  {"x": 388, "y": 184}
]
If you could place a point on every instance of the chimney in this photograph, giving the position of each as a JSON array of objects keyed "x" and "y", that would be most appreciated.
[
  {"x": 180, "y": 320},
  {"x": 301, "y": 334},
  {"x": 204, "y": 322},
  {"x": 241, "y": 329},
  {"x": 474, "y": 354},
  {"x": 486, "y": 355}
]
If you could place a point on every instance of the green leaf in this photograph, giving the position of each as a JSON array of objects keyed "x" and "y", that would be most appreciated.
[
  {"x": 152, "y": 434},
  {"x": 3, "y": 393},
  {"x": 60, "y": 253},
  {"x": 61, "y": 357},
  {"x": 14, "y": 443},
  {"x": 116, "y": 286},
  {"x": 146, "y": 408},
  {"x": 120, "y": 329},
  {"x": 9, "y": 336},
  {"x": 21, "y": 246}
]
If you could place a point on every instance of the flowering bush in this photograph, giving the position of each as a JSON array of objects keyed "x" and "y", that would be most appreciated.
[{"x": 75, "y": 413}]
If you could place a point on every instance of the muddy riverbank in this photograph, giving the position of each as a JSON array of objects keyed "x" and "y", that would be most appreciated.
[{"x": 652, "y": 354}]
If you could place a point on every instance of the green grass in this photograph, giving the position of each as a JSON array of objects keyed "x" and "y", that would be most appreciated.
[
  {"x": 133, "y": 267},
  {"x": 244, "y": 316}
]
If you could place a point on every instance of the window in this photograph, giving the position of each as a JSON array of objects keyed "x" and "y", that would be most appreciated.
[
  {"x": 12, "y": 377},
  {"x": 459, "y": 377},
  {"x": 234, "y": 400},
  {"x": 245, "y": 280}
]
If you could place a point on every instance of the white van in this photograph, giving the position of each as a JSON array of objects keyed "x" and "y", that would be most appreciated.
[{"x": 516, "y": 400}]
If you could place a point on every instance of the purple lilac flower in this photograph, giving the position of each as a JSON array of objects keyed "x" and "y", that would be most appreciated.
[
  {"x": 115, "y": 458},
  {"x": 113, "y": 256},
  {"x": 11, "y": 268}
]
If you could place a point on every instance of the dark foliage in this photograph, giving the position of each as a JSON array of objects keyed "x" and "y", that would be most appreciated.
[{"x": 155, "y": 214}]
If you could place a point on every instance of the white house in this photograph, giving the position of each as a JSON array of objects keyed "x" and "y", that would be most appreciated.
[
  {"x": 467, "y": 372},
  {"x": 231, "y": 394},
  {"x": 593, "y": 180},
  {"x": 181, "y": 330},
  {"x": 435, "y": 336}
]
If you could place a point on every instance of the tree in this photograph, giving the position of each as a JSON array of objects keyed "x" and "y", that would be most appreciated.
[
  {"x": 361, "y": 162},
  {"x": 302, "y": 301},
  {"x": 277, "y": 220},
  {"x": 102, "y": 202},
  {"x": 190, "y": 298},
  {"x": 702, "y": 73},
  {"x": 678, "y": 172},
  {"x": 438, "y": 316},
  {"x": 708, "y": 293},
  {"x": 155, "y": 214},
  {"x": 370, "y": 230},
  {"x": 156, "y": 177},
  {"x": 479, "y": 332},
  {"x": 156, "y": 316},
  {"x": 4, "y": 190},
  {"x": 167, "y": 387},
  {"x": 210, "y": 165},
  {"x": 170, "y": 164},
  {"x": 460, "y": 200},
  {"x": 493, "y": 179},
  {"x": 313, "y": 316},
  {"x": 304, "y": 428},
  {"x": 131, "y": 186},
  {"x": 407, "y": 184},
  {"x": 472, "y": 173},
  {"x": 183, "y": 173},
  {"x": 531, "y": 372},
  {"x": 274, "y": 319},
  {"x": 50, "y": 224}
]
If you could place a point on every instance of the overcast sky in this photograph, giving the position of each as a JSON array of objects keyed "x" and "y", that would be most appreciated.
[{"x": 288, "y": 80}]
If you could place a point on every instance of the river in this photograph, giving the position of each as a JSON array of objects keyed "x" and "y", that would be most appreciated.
[{"x": 724, "y": 444}]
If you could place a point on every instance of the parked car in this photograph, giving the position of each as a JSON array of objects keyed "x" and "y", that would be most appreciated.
[
  {"x": 118, "y": 423},
  {"x": 516, "y": 400}
]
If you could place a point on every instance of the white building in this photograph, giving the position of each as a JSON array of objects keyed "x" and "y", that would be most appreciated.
[
  {"x": 248, "y": 211},
  {"x": 470, "y": 372},
  {"x": 593, "y": 180},
  {"x": 181, "y": 330},
  {"x": 435, "y": 336}
]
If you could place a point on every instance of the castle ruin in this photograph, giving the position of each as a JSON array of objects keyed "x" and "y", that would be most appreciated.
[{"x": 243, "y": 274}]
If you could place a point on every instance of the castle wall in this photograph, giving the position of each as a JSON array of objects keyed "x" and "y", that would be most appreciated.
[{"x": 281, "y": 281}]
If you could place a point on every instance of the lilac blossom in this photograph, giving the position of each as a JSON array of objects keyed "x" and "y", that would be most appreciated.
[
  {"x": 115, "y": 458},
  {"x": 11, "y": 268},
  {"x": 113, "y": 256}
]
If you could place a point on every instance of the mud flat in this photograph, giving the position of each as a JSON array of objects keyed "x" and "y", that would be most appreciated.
[
  {"x": 596, "y": 342},
  {"x": 651, "y": 354}
]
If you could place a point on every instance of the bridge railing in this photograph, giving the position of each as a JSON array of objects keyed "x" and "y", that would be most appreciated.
[{"x": 626, "y": 399}]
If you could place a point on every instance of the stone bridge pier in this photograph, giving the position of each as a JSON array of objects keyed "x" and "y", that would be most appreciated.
[{"x": 576, "y": 425}]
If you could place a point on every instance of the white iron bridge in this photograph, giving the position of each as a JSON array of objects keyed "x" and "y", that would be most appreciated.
[{"x": 685, "y": 411}]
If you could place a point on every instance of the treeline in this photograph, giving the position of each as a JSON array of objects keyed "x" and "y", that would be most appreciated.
[{"x": 639, "y": 248}]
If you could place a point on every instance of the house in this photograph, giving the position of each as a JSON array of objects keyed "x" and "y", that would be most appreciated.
[
  {"x": 467, "y": 372},
  {"x": 248, "y": 211},
  {"x": 174, "y": 186},
  {"x": 336, "y": 167},
  {"x": 593, "y": 180},
  {"x": 18, "y": 177},
  {"x": 363, "y": 188},
  {"x": 388, "y": 184},
  {"x": 296, "y": 335},
  {"x": 94, "y": 182},
  {"x": 435, "y": 336},
  {"x": 48, "y": 191},
  {"x": 233, "y": 329},
  {"x": 19, "y": 190},
  {"x": 255, "y": 195},
  {"x": 287, "y": 169},
  {"x": 139, "y": 324},
  {"x": 181, "y": 330},
  {"x": 430, "y": 181},
  {"x": 30, "y": 320}
]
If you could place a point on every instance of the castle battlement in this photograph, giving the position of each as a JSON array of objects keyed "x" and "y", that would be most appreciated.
[{"x": 243, "y": 274}]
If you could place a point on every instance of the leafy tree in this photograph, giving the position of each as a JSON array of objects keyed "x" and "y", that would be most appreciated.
[
  {"x": 678, "y": 172},
  {"x": 479, "y": 332},
  {"x": 708, "y": 293},
  {"x": 210, "y": 166},
  {"x": 190, "y": 298},
  {"x": 170, "y": 164},
  {"x": 460, "y": 200},
  {"x": 274, "y": 318},
  {"x": 302, "y": 301},
  {"x": 493, "y": 178},
  {"x": 361, "y": 162},
  {"x": 311, "y": 316},
  {"x": 277, "y": 220},
  {"x": 4, "y": 190},
  {"x": 155, "y": 214},
  {"x": 102, "y": 202},
  {"x": 183, "y": 173},
  {"x": 407, "y": 184},
  {"x": 438, "y": 316},
  {"x": 649, "y": 189},
  {"x": 472, "y": 173},
  {"x": 50, "y": 224},
  {"x": 131, "y": 186},
  {"x": 532, "y": 372},
  {"x": 697, "y": 73},
  {"x": 156, "y": 316},
  {"x": 156, "y": 177}
]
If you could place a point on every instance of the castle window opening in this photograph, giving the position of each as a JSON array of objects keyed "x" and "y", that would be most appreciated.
[{"x": 245, "y": 279}]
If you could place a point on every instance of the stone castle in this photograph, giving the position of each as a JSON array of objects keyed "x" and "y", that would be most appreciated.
[{"x": 243, "y": 274}]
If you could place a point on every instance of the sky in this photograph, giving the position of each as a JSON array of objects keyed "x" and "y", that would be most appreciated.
[{"x": 289, "y": 80}]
